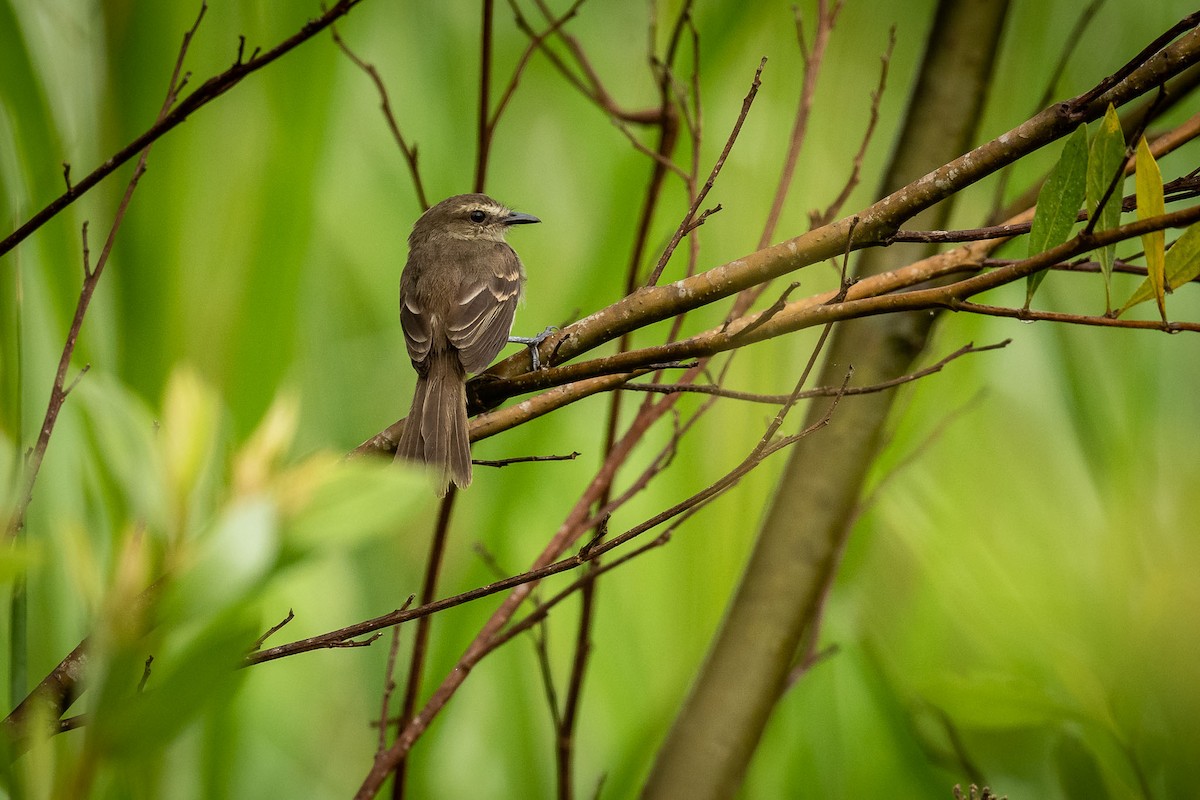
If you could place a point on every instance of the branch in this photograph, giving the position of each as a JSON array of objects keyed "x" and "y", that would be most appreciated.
[
  {"x": 686, "y": 224},
  {"x": 482, "y": 644},
  {"x": 416, "y": 665},
  {"x": 204, "y": 94},
  {"x": 824, "y": 391},
  {"x": 877, "y": 222},
  {"x": 504, "y": 462},
  {"x": 813, "y": 59},
  {"x": 91, "y": 278},
  {"x": 385, "y": 105}
]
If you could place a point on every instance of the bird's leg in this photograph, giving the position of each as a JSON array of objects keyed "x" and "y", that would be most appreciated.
[{"x": 532, "y": 342}]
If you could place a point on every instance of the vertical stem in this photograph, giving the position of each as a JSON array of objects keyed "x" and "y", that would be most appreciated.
[
  {"x": 485, "y": 100},
  {"x": 565, "y": 744},
  {"x": 18, "y": 621},
  {"x": 416, "y": 668}
]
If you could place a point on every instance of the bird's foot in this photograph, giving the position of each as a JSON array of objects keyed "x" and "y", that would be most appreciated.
[{"x": 532, "y": 342}]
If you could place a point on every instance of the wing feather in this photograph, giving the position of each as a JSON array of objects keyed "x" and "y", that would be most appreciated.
[{"x": 478, "y": 324}]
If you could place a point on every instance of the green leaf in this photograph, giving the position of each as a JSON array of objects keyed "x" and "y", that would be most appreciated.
[
  {"x": 1058, "y": 202},
  {"x": 1150, "y": 203},
  {"x": 1105, "y": 157},
  {"x": 1182, "y": 265}
]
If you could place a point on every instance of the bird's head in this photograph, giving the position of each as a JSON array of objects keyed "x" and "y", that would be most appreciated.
[{"x": 467, "y": 217}]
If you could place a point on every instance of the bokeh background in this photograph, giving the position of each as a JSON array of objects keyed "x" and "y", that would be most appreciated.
[{"x": 1018, "y": 602}]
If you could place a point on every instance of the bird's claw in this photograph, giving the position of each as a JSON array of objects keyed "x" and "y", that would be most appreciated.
[{"x": 532, "y": 342}]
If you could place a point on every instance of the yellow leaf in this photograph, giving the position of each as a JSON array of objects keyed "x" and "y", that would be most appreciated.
[
  {"x": 1183, "y": 265},
  {"x": 1150, "y": 204}
]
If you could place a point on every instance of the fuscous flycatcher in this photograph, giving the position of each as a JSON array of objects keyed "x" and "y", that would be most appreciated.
[{"x": 458, "y": 293}]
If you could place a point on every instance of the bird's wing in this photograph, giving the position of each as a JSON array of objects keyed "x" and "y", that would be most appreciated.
[
  {"x": 417, "y": 325},
  {"x": 479, "y": 321}
]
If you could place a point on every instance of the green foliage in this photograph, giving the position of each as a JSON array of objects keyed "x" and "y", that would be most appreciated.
[
  {"x": 1148, "y": 179},
  {"x": 1019, "y": 600},
  {"x": 1106, "y": 156},
  {"x": 201, "y": 533},
  {"x": 1058, "y": 202},
  {"x": 1181, "y": 265}
]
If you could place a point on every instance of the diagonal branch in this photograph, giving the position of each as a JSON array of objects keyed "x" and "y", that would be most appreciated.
[
  {"x": 91, "y": 278},
  {"x": 204, "y": 94}
]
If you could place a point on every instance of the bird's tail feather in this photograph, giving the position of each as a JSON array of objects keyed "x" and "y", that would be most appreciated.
[{"x": 436, "y": 429}]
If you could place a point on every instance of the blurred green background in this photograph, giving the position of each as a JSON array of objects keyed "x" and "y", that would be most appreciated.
[{"x": 1018, "y": 602}]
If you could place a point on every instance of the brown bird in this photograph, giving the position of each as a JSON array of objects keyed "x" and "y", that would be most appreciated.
[{"x": 458, "y": 292}]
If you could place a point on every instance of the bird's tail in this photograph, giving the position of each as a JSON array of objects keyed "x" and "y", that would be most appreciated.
[{"x": 436, "y": 429}]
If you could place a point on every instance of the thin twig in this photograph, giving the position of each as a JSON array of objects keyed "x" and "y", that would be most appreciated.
[
  {"x": 385, "y": 104},
  {"x": 483, "y": 134},
  {"x": 92, "y": 275},
  {"x": 389, "y": 686},
  {"x": 504, "y": 462},
  {"x": 204, "y": 94},
  {"x": 814, "y": 58},
  {"x": 1093, "y": 320},
  {"x": 274, "y": 629},
  {"x": 712, "y": 177},
  {"x": 534, "y": 43},
  {"x": 831, "y": 211},
  {"x": 824, "y": 391}
]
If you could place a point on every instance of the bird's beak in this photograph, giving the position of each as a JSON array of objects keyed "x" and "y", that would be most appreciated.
[{"x": 520, "y": 219}]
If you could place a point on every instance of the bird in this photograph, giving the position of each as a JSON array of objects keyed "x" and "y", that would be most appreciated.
[{"x": 458, "y": 292}]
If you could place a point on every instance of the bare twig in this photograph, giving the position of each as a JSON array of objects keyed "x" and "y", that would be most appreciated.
[
  {"x": 824, "y": 391},
  {"x": 1096, "y": 320},
  {"x": 504, "y": 462},
  {"x": 385, "y": 104},
  {"x": 204, "y": 94},
  {"x": 483, "y": 135},
  {"x": 389, "y": 686},
  {"x": 712, "y": 177},
  {"x": 852, "y": 180},
  {"x": 534, "y": 43},
  {"x": 367, "y": 642},
  {"x": 92, "y": 275},
  {"x": 813, "y": 60},
  {"x": 274, "y": 629}
]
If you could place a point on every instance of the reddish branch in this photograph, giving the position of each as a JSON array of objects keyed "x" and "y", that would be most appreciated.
[{"x": 813, "y": 59}]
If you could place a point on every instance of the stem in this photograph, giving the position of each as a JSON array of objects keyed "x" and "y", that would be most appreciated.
[
  {"x": 484, "y": 134},
  {"x": 416, "y": 667}
]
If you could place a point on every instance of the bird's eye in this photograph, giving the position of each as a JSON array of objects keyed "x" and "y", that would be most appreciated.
[{"x": 477, "y": 216}]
